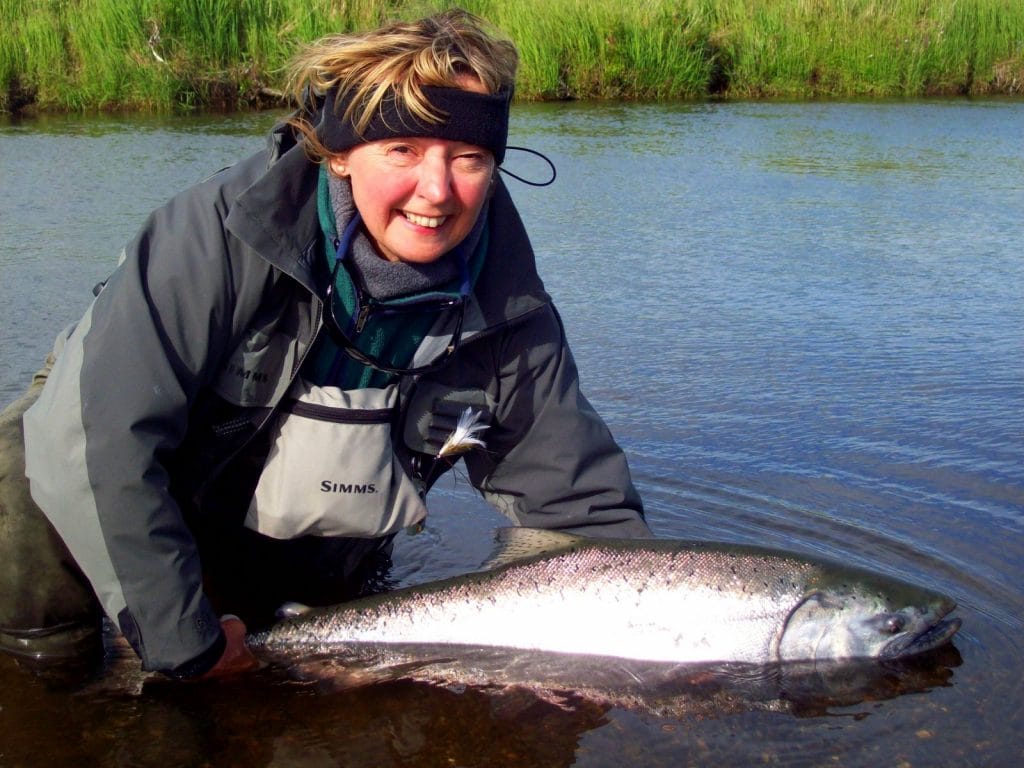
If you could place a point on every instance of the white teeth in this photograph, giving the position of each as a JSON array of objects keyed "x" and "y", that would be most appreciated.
[{"x": 426, "y": 221}]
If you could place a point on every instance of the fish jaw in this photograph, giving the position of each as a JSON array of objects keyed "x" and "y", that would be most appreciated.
[
  {"x": 933, "y": 630},
  {"x": 830, "y": 625}
]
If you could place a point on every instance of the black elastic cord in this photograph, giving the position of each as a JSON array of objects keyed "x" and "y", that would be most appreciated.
[{"x": 545, "y": 158}]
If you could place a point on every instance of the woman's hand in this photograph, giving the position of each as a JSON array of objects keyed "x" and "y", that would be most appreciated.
[{"x": 236, "y": 657}]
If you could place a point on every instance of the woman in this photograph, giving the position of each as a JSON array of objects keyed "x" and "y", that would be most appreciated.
[{"x": 257, "y": 400}]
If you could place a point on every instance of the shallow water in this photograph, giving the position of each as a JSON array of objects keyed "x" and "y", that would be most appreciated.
[{"x": 803, "y": 322}]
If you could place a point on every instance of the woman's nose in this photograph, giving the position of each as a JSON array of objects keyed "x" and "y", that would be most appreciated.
[{"x": 435, "y": 181}]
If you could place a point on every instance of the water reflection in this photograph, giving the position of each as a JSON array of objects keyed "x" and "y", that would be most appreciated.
[{"x": 271, "y": 720}]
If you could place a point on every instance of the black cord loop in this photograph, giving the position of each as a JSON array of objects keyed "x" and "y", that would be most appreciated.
[{"x": 545, "y": 158}]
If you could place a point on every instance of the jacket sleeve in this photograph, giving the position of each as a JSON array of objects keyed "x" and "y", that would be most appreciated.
[
  {"x": 551, "y": 461},
  {"x": 116, "y": 404}
]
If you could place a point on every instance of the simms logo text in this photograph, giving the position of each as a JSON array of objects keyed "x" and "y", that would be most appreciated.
[
  {"x": 246, "y": 374},
  {"x": 328, "y": 487}
]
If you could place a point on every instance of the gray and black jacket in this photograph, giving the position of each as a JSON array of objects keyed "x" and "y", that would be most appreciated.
[{"x": 166, "y": 383}]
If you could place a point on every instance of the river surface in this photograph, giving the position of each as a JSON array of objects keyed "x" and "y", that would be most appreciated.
[{"x": 804, "y": 323}]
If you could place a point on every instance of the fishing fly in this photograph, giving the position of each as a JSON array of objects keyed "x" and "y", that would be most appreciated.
[{"x": 464, "y": 437}]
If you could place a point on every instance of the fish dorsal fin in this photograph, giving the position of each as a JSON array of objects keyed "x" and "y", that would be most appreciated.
[{"x": 515, "y": 544}]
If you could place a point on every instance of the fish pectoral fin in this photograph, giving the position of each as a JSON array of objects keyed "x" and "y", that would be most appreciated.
[
  {"x": 334, "y": 676},
  {"x": 515, "y": 544},
  {"x": 337, "y": 675}
]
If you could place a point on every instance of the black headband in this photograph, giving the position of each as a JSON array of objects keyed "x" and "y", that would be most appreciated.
[{"x": 475, "y": 118}]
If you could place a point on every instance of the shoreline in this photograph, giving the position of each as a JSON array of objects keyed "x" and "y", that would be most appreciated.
[{"x": 166, "y": 56}]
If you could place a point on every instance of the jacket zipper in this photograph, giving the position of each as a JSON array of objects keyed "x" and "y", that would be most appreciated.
[
  {"x": 363, "y": 315},
  {"x": 338, "y": 415}
]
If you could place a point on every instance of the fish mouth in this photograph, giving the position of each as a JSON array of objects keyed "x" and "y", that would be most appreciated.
[{"x": 928, "y": 639}]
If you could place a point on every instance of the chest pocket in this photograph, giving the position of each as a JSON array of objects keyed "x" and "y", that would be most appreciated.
[{"x": 332, "y": 470}]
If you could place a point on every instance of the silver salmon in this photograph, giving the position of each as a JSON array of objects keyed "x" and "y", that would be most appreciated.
[{"x": 651, "y": 600}]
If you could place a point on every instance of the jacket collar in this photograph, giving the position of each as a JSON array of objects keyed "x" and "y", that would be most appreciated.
[{"x": 277, "y": 214}]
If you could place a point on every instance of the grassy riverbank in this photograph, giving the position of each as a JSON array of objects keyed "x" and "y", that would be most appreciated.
[{"x": 172, "y": 54}]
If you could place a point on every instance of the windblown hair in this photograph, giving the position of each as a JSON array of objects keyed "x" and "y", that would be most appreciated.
[{"x": 395, "y": 61}]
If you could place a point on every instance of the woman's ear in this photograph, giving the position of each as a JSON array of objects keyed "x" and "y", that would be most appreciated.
[{"x": 338, "y": 165}]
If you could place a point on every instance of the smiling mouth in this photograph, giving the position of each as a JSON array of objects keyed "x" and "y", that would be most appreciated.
[{"x": 431, "y": 222}]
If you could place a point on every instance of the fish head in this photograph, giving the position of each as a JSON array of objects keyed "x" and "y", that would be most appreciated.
[{"x": 866, "y": 618}]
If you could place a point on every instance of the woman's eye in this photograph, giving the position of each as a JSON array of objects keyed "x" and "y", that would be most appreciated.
[
  {"x": 473, "y": 160},
  {"x": 402, "y": 153}
]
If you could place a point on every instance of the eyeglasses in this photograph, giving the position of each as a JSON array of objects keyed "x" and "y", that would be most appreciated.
[
  {"x": 436, "y": 303},
  {"x": 366, "y": 307}
]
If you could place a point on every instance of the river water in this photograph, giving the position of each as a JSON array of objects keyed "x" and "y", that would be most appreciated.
[{"x": 803, "y": 322}]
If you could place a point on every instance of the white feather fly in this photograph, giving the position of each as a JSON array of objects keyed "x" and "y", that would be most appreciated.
[{"x": 464, "y": 438}]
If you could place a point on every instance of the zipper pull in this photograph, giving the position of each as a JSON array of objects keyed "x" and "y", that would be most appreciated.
[{"x": 362, "y": 317}]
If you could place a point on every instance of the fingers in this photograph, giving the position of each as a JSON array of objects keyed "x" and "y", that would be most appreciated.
[{"x": 237, "y": 657}]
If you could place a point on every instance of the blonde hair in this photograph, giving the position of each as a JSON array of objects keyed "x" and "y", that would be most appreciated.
[{"x": 394, "y": 62}]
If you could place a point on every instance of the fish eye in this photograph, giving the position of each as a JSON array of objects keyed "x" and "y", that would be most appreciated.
[{"x": 892, "y": 624}]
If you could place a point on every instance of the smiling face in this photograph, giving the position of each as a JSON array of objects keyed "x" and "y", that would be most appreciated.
[{"x": 419, "y": 197}]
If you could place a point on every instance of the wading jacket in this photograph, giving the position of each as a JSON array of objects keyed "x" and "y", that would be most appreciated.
[{"x": 166, "y": 384}]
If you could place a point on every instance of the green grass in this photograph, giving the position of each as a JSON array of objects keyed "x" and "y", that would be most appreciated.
[
  {"x": 870, "y": 47},
  {"x": 181, "y": 54},
  {"x": 602, "y": 49}
]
